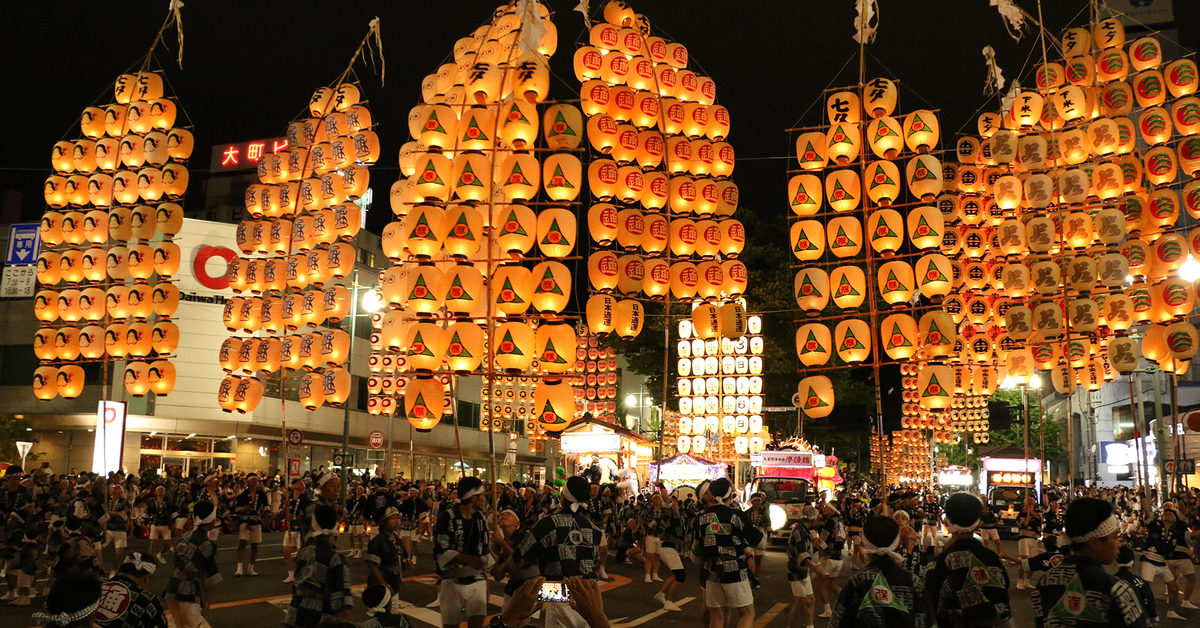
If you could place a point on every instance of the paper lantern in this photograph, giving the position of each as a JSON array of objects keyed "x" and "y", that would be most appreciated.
[
  {"x": 604, "y": 271},
  {"x": 515, "y": 349},
  {"x": 600, "y": 314},
  {"x": 1181, "y": 77},
  {"x": 933, "y": 392},
  {"x": 921, "y": 130},
  {"x": 883, "y": 182},
  {"x": 887, "y": 230},
  {"x": 45, "y": 383},
  {"x": 899, "y": 335},
  {"x": 843, "y": 189},
  {"x": 811, "y": 289},
  {"x": 464, "y": 287},
  {"x": 425, "y": 289},
  {"x": 657, "y": 278},
  {"x": 848, "y": 286},
  {"x": 810, "y": 150},
  {"x": 937, "y": 333},
  {"x": 853, "y": 340},
  {"x": 923, "y": 174},
  {"x": 556, "y": 232},
  {"x": 813, "y": 342},
  {"x": 433, "y": 177},
  {"x": 554, "y": 343},
  {"x": 628, "y": 318},
  {"x": 685, "y": 280},
  {"x": 472, "y": 176},
  {"x": 561, "y": 177},
  {"x": 934, "y": 272},
  {"x": 896, "y": 283},
  {"x": 816, "y": 393},
  {"x": 554, "y": 404},
  {"x": 808, "y": 240},
  {"x": 706, "y": 321},
  {"x": 843, "y": 142},
  {"x": 137, "y": 378},
  {"x": 1181, "y": 340},
  {"x": 515, "y": 229},
  {"x": 335, "y": 386},
  {"x": 845, "y": 236}
]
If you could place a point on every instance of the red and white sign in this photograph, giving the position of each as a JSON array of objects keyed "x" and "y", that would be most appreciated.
[
  {"x": 293, "y": 466},
  {"x": 802, "y": 459},
  {"x": 295, "y": 437},
  {"x": 376, "y": 440},
  {"x": 212, "y": 280}
]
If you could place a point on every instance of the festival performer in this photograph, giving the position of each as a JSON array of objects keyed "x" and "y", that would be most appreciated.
[
  {"x": 967, "y": 582},
  {"x": 126, "y": 600},
  {"x": 322, "y": 587},
  {"x": 800, "y": 554},
  {"x": 723, "y": 538},
  {"x": 884, "y": 594},
  {"x": 249, "y": 508},
  {"x": 196, "y": 572},
  {"x": 461, "y": 557}
]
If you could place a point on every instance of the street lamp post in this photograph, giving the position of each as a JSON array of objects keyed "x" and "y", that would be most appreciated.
[{"x": 370, "y": 303}]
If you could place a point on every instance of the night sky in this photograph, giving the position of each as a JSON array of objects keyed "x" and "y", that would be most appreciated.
[{"x": 249, "y": 67}]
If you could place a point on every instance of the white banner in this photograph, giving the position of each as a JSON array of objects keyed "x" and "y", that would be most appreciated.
[{"x": 110, "y": 437}]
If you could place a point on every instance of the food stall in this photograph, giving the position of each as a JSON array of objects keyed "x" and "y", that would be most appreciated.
[
  {"x": 685, "y": 470},
  {"x": 591, "y": 442}
]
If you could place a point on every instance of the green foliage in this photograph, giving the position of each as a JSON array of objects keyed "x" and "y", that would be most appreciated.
[{"x": 11, "y": 431}]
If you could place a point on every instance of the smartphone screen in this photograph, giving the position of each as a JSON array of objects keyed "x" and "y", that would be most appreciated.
[{"x": 554, "y": 592}]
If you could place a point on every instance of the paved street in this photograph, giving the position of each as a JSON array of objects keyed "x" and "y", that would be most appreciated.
[{"x": 260, "y": 601}]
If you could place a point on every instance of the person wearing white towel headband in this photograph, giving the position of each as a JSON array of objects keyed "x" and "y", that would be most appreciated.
[
  {"x": 1079, "y": 592},
  {"x": 884, "y": 593},
  {"x": 72, "y": 602},
  {"x": 195, "y": 570},
  {"x": 139, "y": 607},
  {"x": 967, "y": 582},
  {"x": 461, "y": 556}
]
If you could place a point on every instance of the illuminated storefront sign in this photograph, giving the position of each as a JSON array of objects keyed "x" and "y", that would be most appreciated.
[
  {"x": 590, "y": 442},
  {"x": 244, "y": 155}
]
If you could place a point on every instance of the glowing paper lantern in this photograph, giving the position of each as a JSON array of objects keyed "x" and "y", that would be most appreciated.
[{"x": 816, "y": 393}]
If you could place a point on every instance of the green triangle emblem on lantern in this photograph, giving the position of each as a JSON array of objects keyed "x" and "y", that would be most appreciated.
[
  {"x": 550, "y": 350},
  {"x": 932, "y": 274},
  {"x": 934, "y": 388},
  {"x": 430, "y": 175},
  {"x": 473, "y": 132},
  {"x": 420, "y": 290},
  {"x": 844, "y": 196},
  {"x": 888, "y": 232},
  {"x": 929, "y": 232},
  {"x": 550, "y": 233},
  {"x": 468, "y": 177},
  {"x": 549, "y": 416},
  {"x": 896, "y": 333},
  {"x": 891, "y": 278},
  {"x": 467, "y": 234},
  {"x": 462, "y": 351},
  {"x": 518, "y": 117},
  {"x": 841, "y": 240},
  {"x": 419, "y": 402},
  {"x": 851, "y": 341},
  {"x": 875, "y": 180},
  {"x": 461, "y": 294},
  {"x": 516, "y": 229},
  {"x": 433, "y": 124},
  {"x": 814, "y": 343},
  {"x": 419, "y": 342},
  {"x": 840, "y": 136},
  {"x": 507, "y": 288},
  {"x": 813, "y": 400},
  {"x": 845, "y": 288},
  {"x": 885, "y": 131},
  {"x": 804, "y": 243},
  {"x": 558, "y": 179},
  {"x": 812, "y": 289},
  {"x": 548, "y": 277},
  {"x": 560, "y": 120},
  {"x": 918, "y": 125},
  {"x": 934, "y": 329},
  {"x": 882, "y": 596},
  {"x": 517, "y": 176},
  {"x": 1074, "y": 605},
  {"x": 508, "y": 339},
  {"x": 801, "y": 197},
  {"x": 921, "y": 173}
]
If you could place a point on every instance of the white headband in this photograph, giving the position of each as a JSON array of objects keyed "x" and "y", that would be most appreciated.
[
  {"x": 478, "y": 490},
  {"x": 212, "y": 516},
  {"x": 135, "y": 559},
  {"x": 1107, "y": 527},
  {"x": 325, "y": 478},
  {"x": 316, "y": 529},
  {"x": 575, "y": 504},
  {"x": 870, "y": 549},
  {"x": 957, "y": 529},
  {"x": 383, "y": 604},
  {"x": 65, "y": 619}
]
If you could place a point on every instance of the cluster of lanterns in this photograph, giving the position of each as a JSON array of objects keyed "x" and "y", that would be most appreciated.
[
  {"x": 906, "y": 455},
  {"x": 662, "y": 203},
  {"x": 950, "y": 397},
  {"x": 868, "y": 178},
  {"x": 1066, "y": 217},
  {"x": 107, "y": 257},
  {"x": 297, "y": 255},
  {"x": 720, "y": 389},
  {"x": 595, "y": 378},
  {"x": 483, "y": 224}
]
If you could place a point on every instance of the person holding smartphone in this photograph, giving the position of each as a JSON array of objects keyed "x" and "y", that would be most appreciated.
[{"x": 563, "y": 545}]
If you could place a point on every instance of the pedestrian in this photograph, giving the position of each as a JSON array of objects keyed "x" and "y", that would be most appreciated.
[
  {"x": 161, "y": 513},
  {"x": 563, "y": 545},
  {"x": 1079, "y": 593},
  {"x": 461, "y": 556},
  {"x": 322, "y": 587},
  {"x": 1145, "y": 593},
  {"x": 125, "y": 599},
  {"x": 72, "y": 602},
  {"x": 384, "y": 554},
  {"x": 25, "y": 566},
  {"x": 967, "y": 582},
  {"x": 1161, "y": 538},
  {"x": 249, "y": 508},
  {"x": 1029, "y": 520},
  {"x": 800, "y": 553},
  {"x": 297, "y": 505},
  {"x": 379, "y": 600},
  {"x": 832, "y": 543},
  {"x": 187, "y": 592},
  {"x": 724, "y": 537},
  {"x": 884, "y": 594}
]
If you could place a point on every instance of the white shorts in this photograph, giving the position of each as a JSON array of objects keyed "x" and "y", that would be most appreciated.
[
  {"x": 653, "y": 544},
  {"x": 670, "y": 558},
  {"x": 186, "y": 614},
  {"x": 414, "y": 534},
  {"x": 733, "y": 594},
  {"x": 460, "y": 602},
  {"x": 802, "y": 588},
  {"x": 1181, "y": 566},
  {"x": 560, "y": 615},
  {"x": 252, "y": 533},
  {"x": 1027, "y": 546},
  {"x": 160, "y": 533},
  {"x": 291, "y": 538},
  {"x": 357, "y": 528},
  {"x": 1150, "y": 570},
  {"x": 180, "y": 522},
  {"x": 831, "y": 567},
  {"x": 989, "y": 534},
  {"x": 118, "y": 538}
]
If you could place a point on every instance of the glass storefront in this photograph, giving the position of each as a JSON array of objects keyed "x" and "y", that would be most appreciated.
[{"x": 186, "y": 454}]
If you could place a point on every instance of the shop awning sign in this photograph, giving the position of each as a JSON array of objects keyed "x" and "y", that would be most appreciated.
[
  {"x": 590, "y": 442},
  {"x": 794, "y": 459}
]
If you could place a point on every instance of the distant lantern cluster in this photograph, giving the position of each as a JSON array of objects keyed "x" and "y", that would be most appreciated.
[
  {"x": 1067, "y": 215},
  {"x": 720, "y": 388},
  {"x": 594, "y": 378},
  {"x": 661, "y": 219},
  {"x": 844, "y": 199},
  {"x": 297, "y": 254},
  {"x": 108, "y": 258},
  {"x": 484, "y": 223}
]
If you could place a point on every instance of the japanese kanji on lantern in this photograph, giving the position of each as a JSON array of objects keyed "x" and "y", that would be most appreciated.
[
  {"x": 293, "y": 279},
  {"x": 107, "y": 260}
]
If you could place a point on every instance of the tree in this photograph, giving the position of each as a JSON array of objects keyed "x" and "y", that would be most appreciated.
[
  {"x": 966, "y": 452},
  {"x": 12, "y": 430}
]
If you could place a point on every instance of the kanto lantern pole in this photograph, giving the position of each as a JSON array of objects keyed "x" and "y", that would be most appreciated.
[
  {"x": 1139, "y": 418},
  {"x": 346, "y": 404}
]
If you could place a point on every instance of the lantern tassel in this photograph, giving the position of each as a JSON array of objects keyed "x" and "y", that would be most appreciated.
[
  {"x": 532, "y": 27},
  {"x": 174, "y": 8},
  {"x": 866, "y": 22},
  {"x": 1014, "y": 17},
  {"x": 995, "y": 80},
  {"x": 583, "y": 8},
  {"x": 374, "y": 24},
  {"x": 1007, "y": 101}
]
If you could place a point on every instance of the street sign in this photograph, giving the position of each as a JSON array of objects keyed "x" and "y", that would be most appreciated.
[
  {"x": 376, "y": 440},
  {"x": 343, "y": 460},
  {"x": 23, "y": 448},
  {"x": 24, "y": 243},
  {"x": 295, "y": 437},
  {"x": 1184, "y": 466},
  {"x": 293, "y": 467},
  {"x": 780, "y": 409},
  {"x": 18, "y": 281}
]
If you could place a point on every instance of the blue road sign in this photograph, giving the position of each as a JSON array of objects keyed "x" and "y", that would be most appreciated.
[{"x": 24, "y": 244}]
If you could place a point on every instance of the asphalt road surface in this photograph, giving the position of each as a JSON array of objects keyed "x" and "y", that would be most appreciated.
[{"x": 262, "y": 600}]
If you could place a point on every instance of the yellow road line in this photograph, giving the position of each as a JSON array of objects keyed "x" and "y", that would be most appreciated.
[{"x": 766, "y": 617}]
